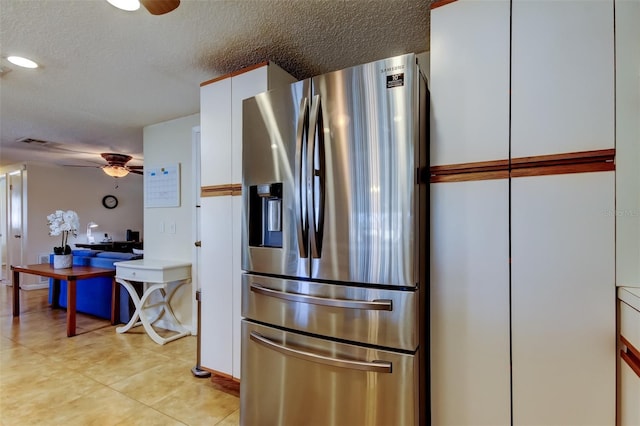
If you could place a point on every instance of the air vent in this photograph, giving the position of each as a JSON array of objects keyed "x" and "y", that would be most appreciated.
[
  {"x": 4, "y": 70},
  {"x": 43, "y": 258},
  {"x": 33, "y": 142}
]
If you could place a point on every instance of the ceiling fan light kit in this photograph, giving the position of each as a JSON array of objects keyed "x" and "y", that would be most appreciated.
[
  {"x": 155, "y": 7},
  {"x": 117, "y": 165},
  {"x": 115, "y": 171},
  {"x": 160, "y": 7},
  {"x": 128, "y": 5}
]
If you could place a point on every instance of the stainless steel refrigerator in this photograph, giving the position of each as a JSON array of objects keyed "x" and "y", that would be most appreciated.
[{"x": 334, "y": 249}]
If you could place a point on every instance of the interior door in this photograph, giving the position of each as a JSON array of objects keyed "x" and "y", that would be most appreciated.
[
  {"x": 4, "y": 274},
  {"x": 363, "y": 160},
  {"x": 14, "y": 240}
]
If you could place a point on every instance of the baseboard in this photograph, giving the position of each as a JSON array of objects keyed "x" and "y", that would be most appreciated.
[
  {"x": 169, "y": 325},
  {"x": 226, "y": 384},
  {"x": 33, "y": 286}
]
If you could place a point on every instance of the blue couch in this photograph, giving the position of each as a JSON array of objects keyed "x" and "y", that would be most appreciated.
[{"x": 93, "y": 295}]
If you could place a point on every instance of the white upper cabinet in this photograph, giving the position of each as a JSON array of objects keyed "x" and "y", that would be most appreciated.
[
  {"x": 215, "y": 133},
  {"x": 562, "y": 77},
  {"x": 470, "y": 82}
]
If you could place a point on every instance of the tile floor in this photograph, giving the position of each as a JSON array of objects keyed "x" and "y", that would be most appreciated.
[{"x": 98, "y": 377}]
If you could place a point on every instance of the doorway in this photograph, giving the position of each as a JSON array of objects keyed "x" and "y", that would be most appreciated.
[
  {"x": 3, "y": 228},
  {"x": 11, "y": 221}
]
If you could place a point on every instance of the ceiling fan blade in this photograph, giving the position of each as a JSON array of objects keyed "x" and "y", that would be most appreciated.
[
  {"x": 160, "y": 7},
  {"x": 135, "y": 167},
  {"x": 137, "y": 172}
]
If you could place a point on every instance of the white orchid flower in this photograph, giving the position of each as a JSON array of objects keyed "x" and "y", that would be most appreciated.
[{"x": 63, "y": 223}]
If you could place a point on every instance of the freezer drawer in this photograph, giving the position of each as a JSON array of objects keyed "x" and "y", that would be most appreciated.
[
  {"x": 292, "y": 379},
  {"x": 386, "y": 318}
]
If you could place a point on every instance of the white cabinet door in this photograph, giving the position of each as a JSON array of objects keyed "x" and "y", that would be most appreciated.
[
  {"x": 470, "y": 380},
  {"x": 216, "y": 277},
  {"x": 627, "y": 143},
  {"x": 563, "y": 300},
  {"x": 629, "y": 385},
  {"x": 215, "y": 133},
  {"x": 237, "y": 283},
  {"x": 629, "y": 396},
  {"x": 469, "y": 82},
  {"x": 562, "y": 93}
]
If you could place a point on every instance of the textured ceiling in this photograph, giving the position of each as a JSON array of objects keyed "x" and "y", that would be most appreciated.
[{"x": 106, "y": 73}]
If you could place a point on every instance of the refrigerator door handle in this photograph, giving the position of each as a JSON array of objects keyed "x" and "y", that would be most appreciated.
[
  {"x": 316, "y": 224},
  {"x": 300, "y": 187},
  {"x": 372, "y": 366},
  {"x": 375, "y": 305}
]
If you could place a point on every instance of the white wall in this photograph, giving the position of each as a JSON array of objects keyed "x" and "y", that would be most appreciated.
[
  {"x": 168, "y": 230},
  {"x": 82, "y": 189},
  {"x": 51, "y": 187}
]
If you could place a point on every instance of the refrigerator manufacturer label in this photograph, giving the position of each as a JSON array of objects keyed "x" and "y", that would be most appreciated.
[{"x": 395, "y": 80}]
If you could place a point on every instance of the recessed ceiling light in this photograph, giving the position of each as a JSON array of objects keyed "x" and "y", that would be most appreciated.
[
  {"x": 22, "y": 62},
  {"x": 128, "y": 5}
]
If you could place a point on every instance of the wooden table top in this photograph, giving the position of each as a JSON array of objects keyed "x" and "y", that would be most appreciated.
[{"x": 73, "y": 273}]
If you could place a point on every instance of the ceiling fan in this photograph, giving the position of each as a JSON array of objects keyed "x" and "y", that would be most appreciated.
[
  {"x": 117, "y": 165},
  {"x": 155, "y": 7}
]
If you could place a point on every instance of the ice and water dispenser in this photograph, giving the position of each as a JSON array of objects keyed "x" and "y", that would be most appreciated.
[{"x": 265, "y": 215}]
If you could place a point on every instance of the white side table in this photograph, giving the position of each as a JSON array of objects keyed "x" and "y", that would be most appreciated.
[{"x": 156, "y": 275}]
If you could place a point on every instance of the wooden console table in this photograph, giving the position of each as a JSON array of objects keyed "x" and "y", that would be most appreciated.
[
  {"x": 156, "y": 275},
  {"x": 70, "y": 275}
]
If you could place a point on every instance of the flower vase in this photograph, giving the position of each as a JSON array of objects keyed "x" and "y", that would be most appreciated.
[{"x": 62, "y": 261}]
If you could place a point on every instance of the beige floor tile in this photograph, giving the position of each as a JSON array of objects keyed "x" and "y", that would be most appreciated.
[
  {"x": 103, "y": 407},
  {"x": 232, "y": 419},
  {"x": 150, "y": 386},
  {"x": 98, "y": 377},
  {"x": 205, "y": 405},
  {"x": 149, "y": 417}
]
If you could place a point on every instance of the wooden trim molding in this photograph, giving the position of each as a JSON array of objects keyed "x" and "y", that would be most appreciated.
[
  {"x": 220, "y": 190},
  {"x": 224, "y": 382},
  {"x": 634, "y": 351},
  {"x": 466, "y": 177},
  {"x": 603, "y": 155},
  {"x": 562, "y": 169},
  {"x": 235, "y": 73},
  {"x": 481, "y": 170},
  {"x": 541, "y": 165},
  {"x": 558, "y": 164},
  {"x": 631, "y": 361},
  {"x": 440, "y": 3}
]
